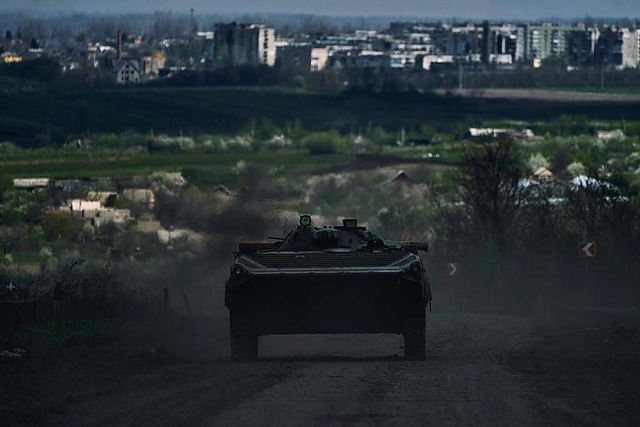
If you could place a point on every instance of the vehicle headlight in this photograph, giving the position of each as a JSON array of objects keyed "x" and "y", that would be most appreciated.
[
  {"x": 236, "y": 270},
  {"x": 415, "y": 267},
  {"x": 305, "y": 220}
]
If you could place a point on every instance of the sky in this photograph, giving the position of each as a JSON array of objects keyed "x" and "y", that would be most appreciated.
[{"x": 471, "y": 9}]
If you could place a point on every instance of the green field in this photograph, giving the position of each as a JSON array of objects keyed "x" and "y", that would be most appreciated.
[
  {"x": 41, "y": 118},
  {"x": 215, "y": 165}
]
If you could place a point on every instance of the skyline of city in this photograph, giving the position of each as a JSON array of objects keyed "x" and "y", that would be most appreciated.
[{"x": 462, "y": 9}]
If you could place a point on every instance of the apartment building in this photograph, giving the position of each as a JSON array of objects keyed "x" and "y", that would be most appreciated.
[
  {"x": 544, "y": 41},
  {"x": 618, "y": 47},
  {"x": 303, "y": 57},
  {"x": 581, "y": 46},
  {"x": 244, "y": 44}
]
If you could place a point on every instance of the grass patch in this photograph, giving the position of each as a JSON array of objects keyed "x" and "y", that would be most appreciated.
[{"x": 219, "y": 164}]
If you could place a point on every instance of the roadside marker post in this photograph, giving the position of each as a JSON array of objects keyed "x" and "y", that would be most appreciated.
[
  {"x": 57, "y": 315},
  {"x": 587, "y": 250},
  {"x": 453, "y": 269}
]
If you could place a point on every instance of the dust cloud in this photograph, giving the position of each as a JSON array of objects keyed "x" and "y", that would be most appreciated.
[{"x": 199, "y": 326}]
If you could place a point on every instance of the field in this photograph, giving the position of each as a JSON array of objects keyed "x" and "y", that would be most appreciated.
[
  {"x": 42, "y": 118},
  {"x": 220, "y": 164}
]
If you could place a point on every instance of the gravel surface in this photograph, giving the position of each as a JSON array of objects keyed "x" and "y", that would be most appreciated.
[{"x": 481, "y": 369}]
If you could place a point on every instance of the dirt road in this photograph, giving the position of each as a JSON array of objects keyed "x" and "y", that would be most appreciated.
[
  {"x": 481, "y": 369},
  {"x": 544, "y": 95}
]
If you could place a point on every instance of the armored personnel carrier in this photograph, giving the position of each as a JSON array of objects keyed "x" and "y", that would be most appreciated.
[{"x": 340, "y": 279}]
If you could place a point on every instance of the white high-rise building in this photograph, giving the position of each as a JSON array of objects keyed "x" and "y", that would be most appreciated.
[{"x": 629, "y": 48}]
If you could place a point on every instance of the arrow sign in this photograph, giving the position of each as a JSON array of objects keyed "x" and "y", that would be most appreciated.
[
  {"x": 587, "y": 249},
  {"x": 453, "y": 269}
]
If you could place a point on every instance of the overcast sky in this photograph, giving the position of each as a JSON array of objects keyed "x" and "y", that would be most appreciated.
[{"x": 475, "y": 9}]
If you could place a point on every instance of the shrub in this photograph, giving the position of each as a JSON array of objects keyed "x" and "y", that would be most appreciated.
[
  {"x": 110, "y": 140},
  {"x": 6, "y": 184},
  {"x": 167, "y": 143},
  {"x": 537, "y": 161},
  {"x": 576, "y": 169},
  {"x": 61, "y": 225},
  {"x": 8, "y": 147},
  {"x": 323, "y": 143},
  {"x": 561, "y": 159}
]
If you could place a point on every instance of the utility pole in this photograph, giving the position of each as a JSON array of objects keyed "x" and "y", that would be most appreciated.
[
  {"x": 194, "y": 28},
  {"x": 460, "y": 77}
]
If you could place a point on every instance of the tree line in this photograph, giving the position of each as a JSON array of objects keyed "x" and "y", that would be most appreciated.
[{"x": 517, "y": 241}]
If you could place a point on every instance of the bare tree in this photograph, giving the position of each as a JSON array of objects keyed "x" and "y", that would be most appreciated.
[
  {"x": 11, "y": 239},
  {"x": 491, "y": 190}
]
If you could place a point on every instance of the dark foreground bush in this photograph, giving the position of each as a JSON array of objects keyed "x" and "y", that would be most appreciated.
[{"x": 323, "y": 143}]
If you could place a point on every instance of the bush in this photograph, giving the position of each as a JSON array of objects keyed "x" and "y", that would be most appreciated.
[
  {"x": 324, "y": 143},
  {"x": 92, "y": 290},
  {"x": 6, "y": 185},
  {"x": 576, "y": 169},
  {"x": 61, "y": 225},
  {"x": 379, "y": 136},
  {"x": 110, "y": 140},
  {"x": 167, "y": 143},
  {"x": 202, "y": 178},
  {"x": 561, "y": 159},
  {"x": 8, "y": 147},
  {"x": 537, "y": 161}
]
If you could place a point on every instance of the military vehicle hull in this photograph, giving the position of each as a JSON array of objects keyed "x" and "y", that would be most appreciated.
[
  {"x": 328, "y": 304},
  {"x": 334, "y": 280}
]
